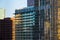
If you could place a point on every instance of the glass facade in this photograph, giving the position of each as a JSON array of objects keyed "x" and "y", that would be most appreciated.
[
  {"x": 30, "y": 2},
  {"x": 24, "y": 29},
  {"x": 48, "y": 15},
  {"x": 39, "y": 21}
]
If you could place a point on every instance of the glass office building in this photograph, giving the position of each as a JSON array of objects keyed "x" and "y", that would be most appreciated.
[
  {"x": 26, "y": 23},
  {"x": 30, "y": 2},
  {"x": 38, "y": 21},
  {"x": 46, "y": 18}
]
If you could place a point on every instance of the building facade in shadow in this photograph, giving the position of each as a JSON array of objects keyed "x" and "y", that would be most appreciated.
[{"x": 6, "y": 29}]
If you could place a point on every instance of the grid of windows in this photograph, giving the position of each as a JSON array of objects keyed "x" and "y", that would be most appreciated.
[
  {"x": 25, "y": 30},
  {"x": 34, "y": 21}
]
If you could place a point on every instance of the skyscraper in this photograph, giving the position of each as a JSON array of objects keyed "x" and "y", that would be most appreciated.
[
  {"x": 30, "y": 2},
  {"x": 25, "y": 19},
  {"x": 45, "y": 20}
]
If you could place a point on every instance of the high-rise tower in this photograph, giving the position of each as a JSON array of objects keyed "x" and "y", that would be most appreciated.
[{"x": 47, "y": 18}]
